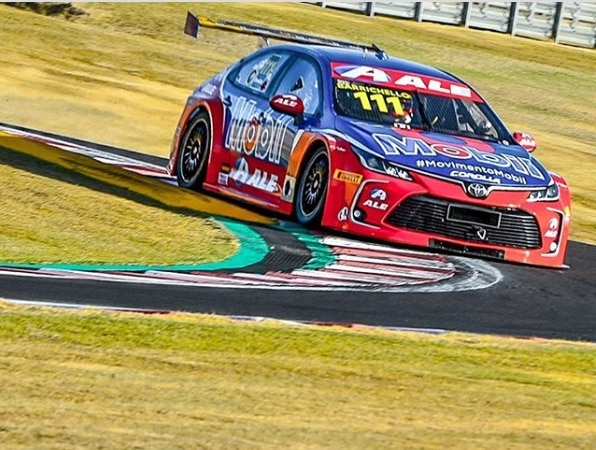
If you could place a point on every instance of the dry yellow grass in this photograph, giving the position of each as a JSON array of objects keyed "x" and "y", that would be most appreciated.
[
  {"x": 120, "y": 75},
  {"x": 123, "y": 381},
  {"x": 72, "y": 230}
]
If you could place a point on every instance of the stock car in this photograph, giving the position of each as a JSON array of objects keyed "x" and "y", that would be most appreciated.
[{"x": 343, "y": 137}]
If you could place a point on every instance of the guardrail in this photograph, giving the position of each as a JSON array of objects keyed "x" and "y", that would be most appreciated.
[{"x": 571, "y": 23}]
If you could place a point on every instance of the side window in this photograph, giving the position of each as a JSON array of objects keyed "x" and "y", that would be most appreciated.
[
  {"x": 476, "y": 121},
  {"x": 257, "y": 73},
  {"x": 302, "y": 79}
]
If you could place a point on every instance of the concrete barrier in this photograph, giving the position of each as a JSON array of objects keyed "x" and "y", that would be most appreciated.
[{"x": 571, "y": 23}]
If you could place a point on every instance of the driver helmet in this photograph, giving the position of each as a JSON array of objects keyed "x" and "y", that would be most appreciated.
[{"x": 404, "y": 119}]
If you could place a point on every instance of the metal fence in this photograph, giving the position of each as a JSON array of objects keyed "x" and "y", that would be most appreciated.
[{"x": 571, "y": 23}]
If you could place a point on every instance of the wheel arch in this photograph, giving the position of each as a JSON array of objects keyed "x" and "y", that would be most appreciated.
[
  {"x": 306, "y": 145},
  {"x": 300, "y": 158},
  {"x": 189, "y": 114},
  {"x": 312, "y": 148}
]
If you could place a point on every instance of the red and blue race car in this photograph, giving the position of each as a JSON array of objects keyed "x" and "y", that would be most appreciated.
[{"x": 344, "y": 137}]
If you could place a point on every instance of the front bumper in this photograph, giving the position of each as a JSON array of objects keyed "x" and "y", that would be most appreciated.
[{"x": 437, "y": 214}]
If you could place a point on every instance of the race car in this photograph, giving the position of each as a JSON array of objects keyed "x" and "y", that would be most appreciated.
[{"x": 341, "y": 136}]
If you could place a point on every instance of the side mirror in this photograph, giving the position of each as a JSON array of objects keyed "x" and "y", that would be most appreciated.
[
  {"x": 288, "y": 104},
  {"x": 526, "y": 140}
]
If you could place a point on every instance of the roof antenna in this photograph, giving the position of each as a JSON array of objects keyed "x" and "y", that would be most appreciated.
[
  {"x": 381, "y": 54},
  {"x": 264, "y": 41}
]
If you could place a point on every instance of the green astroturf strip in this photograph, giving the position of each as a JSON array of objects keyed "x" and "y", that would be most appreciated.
[{"x": 253, "y": 249}]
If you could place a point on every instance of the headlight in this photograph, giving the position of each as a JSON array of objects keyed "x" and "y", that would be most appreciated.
[
  {"x": 548, "y": 194},
  {"x": 378, "y": 164}
]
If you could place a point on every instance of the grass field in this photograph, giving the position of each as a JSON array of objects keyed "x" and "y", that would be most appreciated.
[
  {"x": 120, "y": 75},
  {"x": 117, "y": 381}
]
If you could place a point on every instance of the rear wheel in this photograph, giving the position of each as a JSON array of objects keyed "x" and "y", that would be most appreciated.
[
  {"x": 312, "y": 189},
  {"x": 194, "y": 152}
]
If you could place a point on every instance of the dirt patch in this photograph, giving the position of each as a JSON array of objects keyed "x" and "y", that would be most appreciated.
[{"x": 49, "y": 8}]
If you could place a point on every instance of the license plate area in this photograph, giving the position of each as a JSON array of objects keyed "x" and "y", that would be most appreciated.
[{"x": 477, "y": 216}]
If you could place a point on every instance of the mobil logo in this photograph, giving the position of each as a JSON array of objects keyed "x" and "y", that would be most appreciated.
[
  {"x": 447, "y": 158},
  {"x": 255, "y": 132}
]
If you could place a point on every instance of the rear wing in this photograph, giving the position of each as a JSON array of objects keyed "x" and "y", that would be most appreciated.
[{"x": 193, "y": 26}]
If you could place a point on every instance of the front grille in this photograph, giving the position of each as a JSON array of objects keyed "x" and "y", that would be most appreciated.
[{"x": 497, "y": 226}]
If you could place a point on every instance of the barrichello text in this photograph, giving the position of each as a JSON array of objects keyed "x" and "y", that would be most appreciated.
[{"x": 492, "y": 168}]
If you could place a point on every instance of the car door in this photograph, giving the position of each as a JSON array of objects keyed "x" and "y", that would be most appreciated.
[
  {"x": 259, "y": 139},
  {"x": 302, "y": 79},
  {"x": 253, "y": 135}
]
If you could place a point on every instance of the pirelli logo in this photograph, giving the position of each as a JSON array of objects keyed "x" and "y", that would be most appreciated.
[{"x": 347, "y": 177}]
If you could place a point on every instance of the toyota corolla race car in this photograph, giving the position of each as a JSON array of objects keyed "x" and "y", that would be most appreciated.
[{"x": 341, "y": 136}]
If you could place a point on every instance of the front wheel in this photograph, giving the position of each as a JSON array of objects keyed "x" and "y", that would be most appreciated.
[
  {"x": 312, "y": 189},
  {"x": 194, "y": 152}
]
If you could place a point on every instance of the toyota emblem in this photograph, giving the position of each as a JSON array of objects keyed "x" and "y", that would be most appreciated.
[{"x": 477, "y": 190}]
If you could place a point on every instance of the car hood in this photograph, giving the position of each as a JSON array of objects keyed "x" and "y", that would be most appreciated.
[{"x": 446, "y": 156}]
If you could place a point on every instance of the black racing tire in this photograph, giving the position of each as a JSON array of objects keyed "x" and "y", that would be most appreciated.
[
  {"x": 195, "y": 148},
  {"x": 311, "y": 190}
]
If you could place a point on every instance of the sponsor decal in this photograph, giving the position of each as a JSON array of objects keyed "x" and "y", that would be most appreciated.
[
  {"x": 408, "y": 81},
  {"x": 338, "y": 148},
  {"x": 222, "y": 179},
  {"x": 224, "y": 175},
  {"x": 342, "y": 216},
  {"x": 334, "y": 146},
  {"x": 254, "y": 132},
  {"x": 490, "y": 167},
  {"x": 398, "y": 172},
  {"x": 261, "y": 180},
  {"x": 377, "y": 199},
  {"x": 208, "y": 89},
  {"x": 362, "y": 72},
  {"x": 262, "y": 72},
  {"x": 370, "y": 203},
  {"x": 287, "y": 100},
  {"x": 385, "y": 100},
  {"x": 378, "y": 194},
  {"x": 526, "y": 140},
  {"x": 481, "y": 177},
  {"x": 347, "y": 177},
  {"x": 553, "y": 229}
]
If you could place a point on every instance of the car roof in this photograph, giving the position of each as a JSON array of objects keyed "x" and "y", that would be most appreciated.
[{"x": 369, "y": 58}]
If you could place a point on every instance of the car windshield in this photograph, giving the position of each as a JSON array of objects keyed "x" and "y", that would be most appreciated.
[{"x": 412, "y": 109}]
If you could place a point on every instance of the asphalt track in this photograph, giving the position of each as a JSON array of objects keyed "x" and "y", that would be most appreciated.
[{"x": 522, "y": 301}]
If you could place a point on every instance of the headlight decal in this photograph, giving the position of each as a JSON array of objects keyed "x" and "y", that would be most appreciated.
[
  {"x": 548, "y": 194},
  {"x": 378, "y": 164}
]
